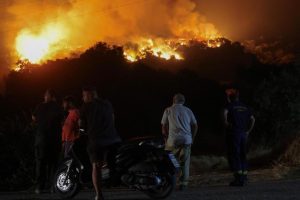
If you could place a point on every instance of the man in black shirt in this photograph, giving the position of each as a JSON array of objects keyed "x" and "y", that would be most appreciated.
[
  {"x": 47, "y": 117},
  {"x": 98, "y": 118}
]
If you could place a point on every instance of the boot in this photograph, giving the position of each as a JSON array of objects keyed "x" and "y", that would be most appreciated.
[
  {"x": 245, "y": 177},
  {"x": 238, "y": 180}
]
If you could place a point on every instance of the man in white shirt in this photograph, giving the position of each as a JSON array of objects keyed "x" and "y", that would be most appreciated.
[{"x": 179, "y": 127}]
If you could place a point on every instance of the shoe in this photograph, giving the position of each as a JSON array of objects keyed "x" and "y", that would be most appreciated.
[
  {"x": 37, "y": 191},
  {"x": 245, "y": 179},
  {"x": 182, "y": 187},
  {"x": 99, "y": 197},
  {"x": 238, "y": 181}
]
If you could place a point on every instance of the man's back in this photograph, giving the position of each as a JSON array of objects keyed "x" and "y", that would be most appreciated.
[
  {"x": 239, "y": 116},
  {"x": 48, "y": 117},
  {"x": 98, "y": 116},
  {"x": 179, "y": 119}
]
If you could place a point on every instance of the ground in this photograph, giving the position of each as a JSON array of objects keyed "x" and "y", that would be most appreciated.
[{"x": 204, "y": 187}]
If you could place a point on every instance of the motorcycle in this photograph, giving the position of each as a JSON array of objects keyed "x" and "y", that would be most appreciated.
[{"x": 140, "y": 164}]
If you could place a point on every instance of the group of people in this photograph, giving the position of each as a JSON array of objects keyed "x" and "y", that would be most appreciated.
[{"x": 58, "y": 126}]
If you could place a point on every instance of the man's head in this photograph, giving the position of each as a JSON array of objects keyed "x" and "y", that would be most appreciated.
[
  {"x": 69, "y": 102},
  {"x": 49, "y": 96},
  {"x": 89, "y": 94},
  {"x": 232, "y": 95},
  {"x": 178, "y": 99}
]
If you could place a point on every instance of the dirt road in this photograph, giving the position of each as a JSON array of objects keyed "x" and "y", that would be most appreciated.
[{"x": 271, "y": 190}]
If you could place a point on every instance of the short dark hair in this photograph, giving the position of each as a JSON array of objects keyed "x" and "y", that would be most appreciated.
[
  {"x": 179, "y": 98},
  {"x": 232, "y": 94},
  {"x": 51, "y": 92},
  {"x": 69, "y": 99}
]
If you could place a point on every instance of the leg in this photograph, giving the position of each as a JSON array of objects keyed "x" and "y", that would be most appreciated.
[
  {"x": 41, "y": 173},
  {"x": 67, "y": 148},
  {"x": 96, "y": 155},
  {"x": 243, "y": 156},
  {"x": 40, "y": 169},
  {"x": 176, "y": 152},
  {"x": 185, "y": 156},
  {"x": 96, "y": 177},
  {"x": 230, "y": 146},
  {"x": 237, "y": 165},
  {"x": 236, "y": 152},
  {"x": 52, "y": 166},
  {"x": 243, "y": 153}
]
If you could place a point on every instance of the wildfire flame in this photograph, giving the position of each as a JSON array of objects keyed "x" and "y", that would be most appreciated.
[
  {"x": 36, "y": 47},
  {"x": 158, "y": 47},
  {"x": 162, "y": 36},
  {"x": 165, "y": 49}
]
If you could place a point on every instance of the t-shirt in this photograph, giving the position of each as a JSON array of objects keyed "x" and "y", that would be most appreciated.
[
  {"x": 70, "y": 127},
  {"x": 239, "y": 116},
  {"x": 98, "y": 119},
  {"x": 48, "y": 119},
  {"x": 179, "y": 119}
]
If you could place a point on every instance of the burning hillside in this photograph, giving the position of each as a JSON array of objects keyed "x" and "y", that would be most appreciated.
[
  {"x": 38, "y": 31},
  {"x": 54, "y": 30}
]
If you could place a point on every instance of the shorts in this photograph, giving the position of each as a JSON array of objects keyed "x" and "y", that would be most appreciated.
[{"x": 97, "y": 153}]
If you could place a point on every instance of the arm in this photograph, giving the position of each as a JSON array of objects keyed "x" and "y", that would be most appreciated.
[
  {"x": 82, "y": 121},
  {"x": 74, "y": 117},
  {"x": 194, "y": 125},
  {"x": 33, "y": 118},
  {"x": 252, "y": 122},
  {"x": 165, "y": 131},
  {"x": 165, "y": 126},
  {"x": 34, "y": 115},
  {"x": 226, "y": 122},
  {"x": 194, "y": 130}
]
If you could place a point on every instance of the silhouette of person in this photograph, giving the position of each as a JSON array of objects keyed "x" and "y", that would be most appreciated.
[{"x": 47, "y": 116}]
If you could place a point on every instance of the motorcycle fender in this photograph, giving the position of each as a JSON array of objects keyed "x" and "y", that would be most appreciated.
[{"x": 142, "y": 167}]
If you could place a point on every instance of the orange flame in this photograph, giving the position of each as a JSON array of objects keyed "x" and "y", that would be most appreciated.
[
  {"x": 37, "y": 47},
  {"x": 160, "y": 35},
  {"x": 158, "y": 47}
]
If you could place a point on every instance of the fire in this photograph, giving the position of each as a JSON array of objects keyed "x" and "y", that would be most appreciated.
[
  {"x": 164, "y": 49},
  {"x": 67, "y": 28},
  {"x": 46, "y": 44},
  {"x": 214, "y": 43},
  {"x": 37, "y": 47}
]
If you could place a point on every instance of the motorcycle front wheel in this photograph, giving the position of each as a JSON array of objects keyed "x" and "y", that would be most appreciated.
[
  {"x": 164, "y": 189},
  {"x": 66, "y": 185}
]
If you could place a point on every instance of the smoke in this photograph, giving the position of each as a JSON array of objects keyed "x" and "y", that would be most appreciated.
[
  {"x": 270, "y": 52},
  {"x": 246, "y": 20},
  {"x": 82, "y": 23}
]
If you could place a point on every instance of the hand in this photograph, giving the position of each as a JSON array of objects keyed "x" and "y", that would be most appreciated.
[
  {"x": 228, "y": 125},
  {"x": 247, "y": 133}
]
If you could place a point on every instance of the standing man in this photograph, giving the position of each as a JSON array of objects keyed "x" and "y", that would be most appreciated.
[
  {"x": 98, "y": 118},
  {"x": 70, "y": 129},
  {"x": 47, "y": 116},
  {"x": 179, "y": 127},
  {"x": 239, "y": 122}
]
